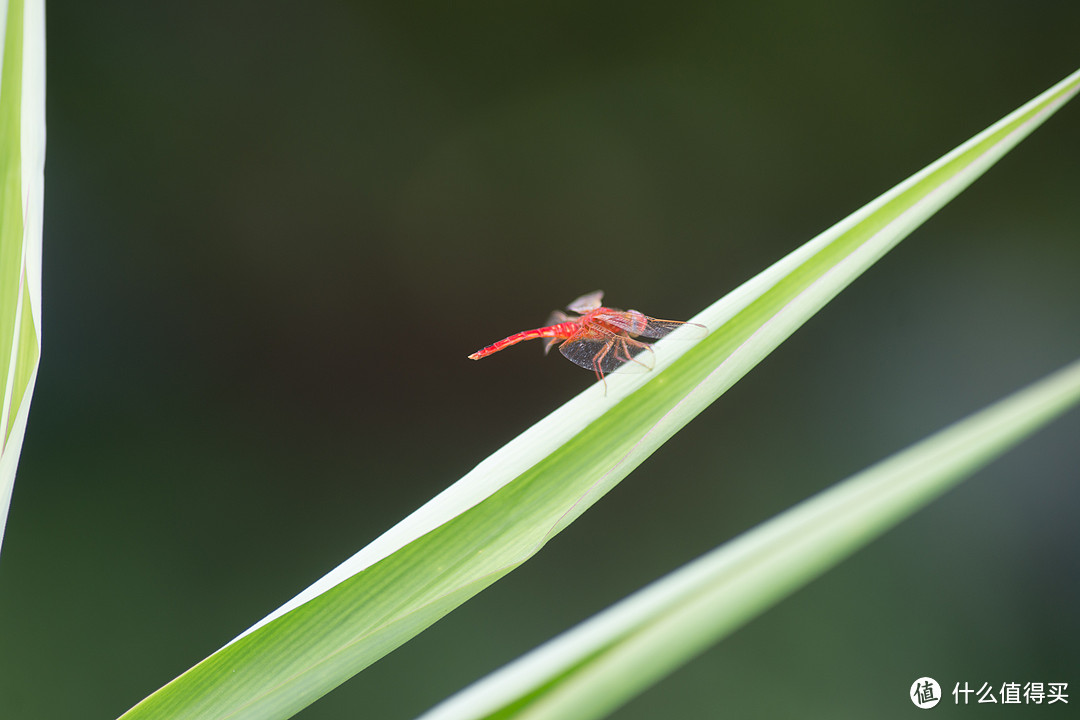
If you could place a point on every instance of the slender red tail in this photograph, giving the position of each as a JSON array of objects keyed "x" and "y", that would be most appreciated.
[{"x": 552, "y": 331}]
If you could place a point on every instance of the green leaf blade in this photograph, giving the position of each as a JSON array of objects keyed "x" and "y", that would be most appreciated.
[{"x": 22, "y": 167}]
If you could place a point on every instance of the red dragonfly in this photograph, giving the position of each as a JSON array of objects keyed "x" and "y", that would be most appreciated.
[{"x": 600, "y": 339}]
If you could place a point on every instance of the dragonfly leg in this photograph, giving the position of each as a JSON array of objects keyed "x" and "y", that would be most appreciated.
[
  {"x": 630, "y": 349},
  {"x": 597, "y": 363}
]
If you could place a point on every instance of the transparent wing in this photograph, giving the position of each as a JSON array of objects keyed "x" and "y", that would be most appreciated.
[
  {"x": 607, "y": 353},
  {"x": 586, "y": 303},
  {"x": 557, "y": 317},
  {"x": 642, "y": 325},
  {"x": 554, "y": 319}
]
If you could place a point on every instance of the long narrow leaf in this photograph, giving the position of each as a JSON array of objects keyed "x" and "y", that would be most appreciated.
[
  {"x": 608, "y": 659},
  {"x": 503, "y": 511},
  {"x": 22, "y": 168}
]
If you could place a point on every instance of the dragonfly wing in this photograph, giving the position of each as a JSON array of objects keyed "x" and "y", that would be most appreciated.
[
  {"x": 557, "y": 317},
  {"x": 607, "y": 353},
  {"x": 586, "y": 303},
  {"x": 554, "y": 319},
  {"x": 642, "y": 325}
]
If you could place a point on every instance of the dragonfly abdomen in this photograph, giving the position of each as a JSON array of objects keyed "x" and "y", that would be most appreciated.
[{"x": 558, "y": 331}]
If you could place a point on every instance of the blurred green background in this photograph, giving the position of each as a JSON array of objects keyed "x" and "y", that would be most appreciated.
[{"x": 274, "y": 231}]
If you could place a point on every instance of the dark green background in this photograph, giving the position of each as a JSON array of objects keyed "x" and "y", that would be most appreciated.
[{"x": 274, "y": 231}]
